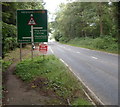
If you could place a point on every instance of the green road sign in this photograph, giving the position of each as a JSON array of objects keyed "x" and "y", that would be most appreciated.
[{"x": 32, "y": 26}]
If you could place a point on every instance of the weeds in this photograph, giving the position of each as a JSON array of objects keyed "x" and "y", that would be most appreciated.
[
  {"x": 54, "y": 75},
  {"x": 104, "y": 43}
]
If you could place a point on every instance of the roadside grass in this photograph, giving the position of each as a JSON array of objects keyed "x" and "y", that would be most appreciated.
[
  {"x": 5, "y": 65},
  {"x": 49, "y": 73},
  {"x": 106, "y": 44},
  {"x": 14, "y": 57}
]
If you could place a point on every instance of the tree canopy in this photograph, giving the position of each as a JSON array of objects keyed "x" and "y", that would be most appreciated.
[
  {"x": 85, "y": 19},
  {"x": 9, "y": 34}
]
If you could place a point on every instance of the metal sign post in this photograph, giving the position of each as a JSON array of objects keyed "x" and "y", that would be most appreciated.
[{"x": 20, "y": 51}]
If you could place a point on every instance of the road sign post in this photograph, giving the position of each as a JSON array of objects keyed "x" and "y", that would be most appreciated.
[
  {"x": 31, "y": 23},
  {"x": 20, "y": 51},
  {"x": 32, "y": 26}
]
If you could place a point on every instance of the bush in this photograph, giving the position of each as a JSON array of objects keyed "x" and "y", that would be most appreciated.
[
  {"x": 106, "y": 43},
  {"x": 64, "y": 39},
  {"x": 9, "y": 41},
  {"x": 5, "y": 65}
]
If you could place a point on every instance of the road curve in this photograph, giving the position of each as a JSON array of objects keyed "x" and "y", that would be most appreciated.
[{"x": 98, "y": 70}]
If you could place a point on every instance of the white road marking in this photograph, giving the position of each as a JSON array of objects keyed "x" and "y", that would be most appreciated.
[
  {"x": 70, "y": 69},
  {"x": 94, "y": 57},
  {"x": 89, "y": 97},
  {"x": 64, "y": 62},
  {"x": 83, "y": 84},
  {"x": 77, "y": 52},
  {"x": 51, "y": 50},
  {"x": 88, "y": 88}
]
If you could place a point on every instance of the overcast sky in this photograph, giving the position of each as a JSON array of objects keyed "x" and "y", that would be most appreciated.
[{"x": 51, "y": 6}]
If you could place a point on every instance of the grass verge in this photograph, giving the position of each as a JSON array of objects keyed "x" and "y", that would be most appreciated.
[
  {"x": 14, "y": 57},
  {"x": 106, "y": 44},
  {"x": 49, "y": 73}
]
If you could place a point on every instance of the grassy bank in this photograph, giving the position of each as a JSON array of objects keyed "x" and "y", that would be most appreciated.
[
  {"x": 49, "y": 73},
  {"x": 14, "y": 57},
  {"x": 107, "y": 44}
]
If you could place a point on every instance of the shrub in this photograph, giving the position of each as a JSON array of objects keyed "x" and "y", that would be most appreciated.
[{"x": 9, "y": 41}]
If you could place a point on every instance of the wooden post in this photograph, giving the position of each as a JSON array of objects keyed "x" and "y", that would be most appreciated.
[
  {"x": 32, "y": 51},
  {"x": 20, "y": 51}
]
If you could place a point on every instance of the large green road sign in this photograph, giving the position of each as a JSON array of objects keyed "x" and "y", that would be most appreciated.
[{"x": 32, "y": 26}]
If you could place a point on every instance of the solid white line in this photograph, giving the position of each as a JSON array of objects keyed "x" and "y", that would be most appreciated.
[
  {"x": 89, "y": 89},
  {"x": 94, "y": 57},
  {"x": 64, "y": 62},
  {"x": 89, "y": 97},
  {"x": 84, "y": 84},
  {"x": 80, "y": 80},
  {"x": 70, "y": 69},
  {"x": 51, "y": 50}
]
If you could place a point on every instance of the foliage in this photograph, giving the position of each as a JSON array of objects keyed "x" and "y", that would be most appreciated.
[
  {"x": 104, "y": 43},
  {"x": 14, "y": 57},
  {"x": 9, "y": 34},
  {"x": 5, "y": 65},
  {"x": 9, "y": 41},
  {"x": 83, "y": 19},
  {"x": 59, "y": 78}
]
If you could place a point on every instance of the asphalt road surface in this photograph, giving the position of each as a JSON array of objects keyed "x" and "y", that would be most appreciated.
[{"x": 98, "y": 70}]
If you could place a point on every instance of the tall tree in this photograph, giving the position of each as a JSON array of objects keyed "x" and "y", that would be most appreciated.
[
  {"x": 83, "y": 19},
  {"x": 9, "y": 22}
]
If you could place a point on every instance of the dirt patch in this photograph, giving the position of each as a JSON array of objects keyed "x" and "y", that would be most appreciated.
[
  {"x": 39, "y": 82},
  {"x": 41, "y": 85}
]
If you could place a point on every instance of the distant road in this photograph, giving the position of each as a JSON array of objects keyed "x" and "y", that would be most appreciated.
[{"x": 98, "y": 70}]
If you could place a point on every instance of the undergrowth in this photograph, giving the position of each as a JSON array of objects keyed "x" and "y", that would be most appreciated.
[
  {"x": 58, "y": 76},
  {"x": 107, "y": 43}
]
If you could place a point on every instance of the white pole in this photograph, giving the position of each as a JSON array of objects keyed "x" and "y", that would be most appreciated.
[
  {"x": 32, "y": 40},
  {"x": 32, "y": 33}
]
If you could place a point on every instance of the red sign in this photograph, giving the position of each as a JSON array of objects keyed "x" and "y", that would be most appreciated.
[
  {"x": 43, "y": 48},
  {"x": 31, "y": 21}
]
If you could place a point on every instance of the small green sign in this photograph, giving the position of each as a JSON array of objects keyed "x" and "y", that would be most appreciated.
[{"x": 35, "y": 18}]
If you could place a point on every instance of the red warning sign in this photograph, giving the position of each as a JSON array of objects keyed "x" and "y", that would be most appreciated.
[
  {"x": 43, "y": 48},
  {"x": 31, "y": 21}
]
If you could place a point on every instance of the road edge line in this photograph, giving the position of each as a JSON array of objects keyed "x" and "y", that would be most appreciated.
[
  {"x": 64, "y": 62},
  {"x": 51, "y": 50},
  {"x": 93, "y": 98},
  {"x": 99, "y": 102}
]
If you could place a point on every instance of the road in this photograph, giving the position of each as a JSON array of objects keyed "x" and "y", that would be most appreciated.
[{"x": 98, "y": 70}]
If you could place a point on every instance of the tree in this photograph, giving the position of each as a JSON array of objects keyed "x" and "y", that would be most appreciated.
[
  {"x": 83, "y": 19},
  {"x": 9, "y": 22}
]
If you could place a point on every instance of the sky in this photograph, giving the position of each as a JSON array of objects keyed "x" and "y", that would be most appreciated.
[{"x": 52, "y": 6}]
